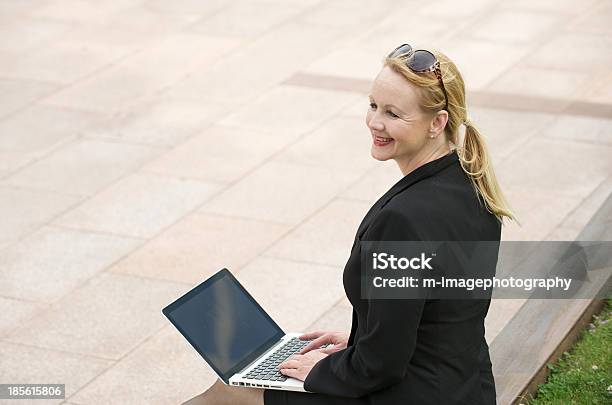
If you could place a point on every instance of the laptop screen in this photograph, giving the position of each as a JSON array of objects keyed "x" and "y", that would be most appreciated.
[{"x": 224, "y": 323}]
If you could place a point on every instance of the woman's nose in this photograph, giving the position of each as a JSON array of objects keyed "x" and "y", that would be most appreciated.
[{"x": 373, "y": 122}]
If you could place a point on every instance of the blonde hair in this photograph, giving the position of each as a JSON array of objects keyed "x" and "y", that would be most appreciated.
[{"x": 473, "y": 154}]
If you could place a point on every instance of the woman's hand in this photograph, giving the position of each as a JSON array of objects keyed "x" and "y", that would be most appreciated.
[
  {"x": 299, "y": 365},
  {"x": 339, "y": 340}
]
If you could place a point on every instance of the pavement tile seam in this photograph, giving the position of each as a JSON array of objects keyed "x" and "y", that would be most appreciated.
[
  {"x": 112, "y": 139},
  {"x": 224, "y": 185},
  {"x": 162, "y": 174},
  {"x": 64, "y": 302},
  {"x": 290, "y": 223},
  {"x": 290, "y": 231},
  {"x": 162, "y": 229},
  {"x": 129, "y": 113},
  {"x": 471, "y": 10},
  {"x": 592, "y": 109},
  {"x": 184, "y": 371},
  {"x": 551, "y": 30},
  {"x": 62, "y": 82},
  {"x": 526, "y": 138},
  {"x": 197, "y": 208},
  {"x": 322, "y": 316},
  {"x": 38, "y": 190},
  {"x": 94, "y": 231},
  {"x": 578, "y": 140},
  {"x": 303, "y": 134},
  {"x": 104, "y": 363},
  {"x": 117, "y": 361},
  {"x": 592, "y": 198},
  {"x": 31, "y": 100},
  {"x": 283, "y": 86},
  {"x": 295, "y": 260},
  {"x": 40, "y": 307},
  {"x": 116, "y": 63},
  {"x": 85, "y": 276},
  {"x": 484, "y": 98},
  {"x": 525, "y": 62},
  {"x": 341, "y": 195},
  {"x": 354, "y": 199},
  {"x": 22, "y": 300},
  {"x": 549, "y": 7},
  {"x": 79, "y": 138},
  {"x": 85, "y": 198},
  {"x": 199, "y": 213},
  {"x": 35, "y": 189},
  {"x": 205, "y": 65},
  {"x": 332, "y": 8},
  {"x": 116, "y": 269},
  {"x": 463, "y": 23},
  {"x": 272, "y": 157},
  {"x": 62, "y": 134},
  {"x": 179, "y": 8},
  {"x": 97, "y": 232},
  {"x": 16, "y": 20},
  {"x": 550, "y": 34},
  {"x": 557, "y": 143},
  {"x": 254, "y": 38},
  {"x": 23, "y": 79},
  {"x": 261, "y": 44},
  {"x": 75, "y": 354},
  {"x": 54, "y": 304},
  {"x": 148, "y": 278},
  {"x": 594, "y": 11},
  {"x": 43, "y": 223},
  {"x": 338, "y": 303},
  {"x": 313, "y": 262},
  {"x": 253, "y": 41}
]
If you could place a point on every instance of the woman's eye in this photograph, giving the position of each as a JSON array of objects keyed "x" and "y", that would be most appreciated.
[
  {"x": 392, "y": 115},
  {"x": 373, "y": 106}
]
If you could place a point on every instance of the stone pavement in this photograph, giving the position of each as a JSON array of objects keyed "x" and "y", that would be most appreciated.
[{"x": 144, "y": 144}]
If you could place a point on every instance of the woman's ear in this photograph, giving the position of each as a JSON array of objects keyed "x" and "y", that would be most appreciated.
[{"x": 438, "y": 123}]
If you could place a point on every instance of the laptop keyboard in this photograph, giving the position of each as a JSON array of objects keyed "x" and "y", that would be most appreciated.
[{"x": 267, "y": 369}]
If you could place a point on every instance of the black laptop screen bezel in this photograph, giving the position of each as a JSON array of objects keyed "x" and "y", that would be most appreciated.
[{"x": 167, "y": 311}]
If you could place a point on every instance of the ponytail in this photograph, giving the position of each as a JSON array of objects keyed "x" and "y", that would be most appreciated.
[
  {"x": 473, "y": 155},
  {"x": 475, "y": 161}
]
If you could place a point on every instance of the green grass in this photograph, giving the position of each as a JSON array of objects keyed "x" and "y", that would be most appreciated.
[{"x": 583, "y": 376}]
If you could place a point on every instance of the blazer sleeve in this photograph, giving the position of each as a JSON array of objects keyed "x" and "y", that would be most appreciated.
[{"x": 380, "y": 356}]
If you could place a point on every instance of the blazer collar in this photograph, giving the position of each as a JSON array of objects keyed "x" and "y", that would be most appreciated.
[{"x": 427, "y": 170}]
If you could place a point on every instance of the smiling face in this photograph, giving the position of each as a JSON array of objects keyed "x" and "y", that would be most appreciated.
[{"x": 399, "y": 129}]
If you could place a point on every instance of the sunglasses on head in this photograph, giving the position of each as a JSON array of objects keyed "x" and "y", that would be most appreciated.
[{"x": 420, "y": 61}]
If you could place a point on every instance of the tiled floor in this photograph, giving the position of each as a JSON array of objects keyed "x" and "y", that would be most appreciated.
[{"x": 144, "y": 144}]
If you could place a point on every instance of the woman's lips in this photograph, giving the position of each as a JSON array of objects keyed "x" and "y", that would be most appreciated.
[{"x": 380, "y": 141}]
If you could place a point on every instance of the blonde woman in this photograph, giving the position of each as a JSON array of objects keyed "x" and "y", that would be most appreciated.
[{"x": 414, "y": 351}]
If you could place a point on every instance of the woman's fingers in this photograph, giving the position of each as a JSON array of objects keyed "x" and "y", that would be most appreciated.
[
  {"x": 312, "y": 335},
  {"x": 291, "y": 362},
  {"x": 331, "y": 349},
  {"x": 290, "y": 372},
  {"x": 315, "y": 344}
]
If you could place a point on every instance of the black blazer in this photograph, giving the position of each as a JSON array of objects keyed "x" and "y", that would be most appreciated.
[{"x": 414, "y": 351}]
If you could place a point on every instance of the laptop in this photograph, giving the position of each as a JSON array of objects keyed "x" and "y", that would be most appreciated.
[{"x": 234, "y": 334}]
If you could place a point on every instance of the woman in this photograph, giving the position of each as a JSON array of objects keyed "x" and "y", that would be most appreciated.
[{"x": 414, "y": 351}]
